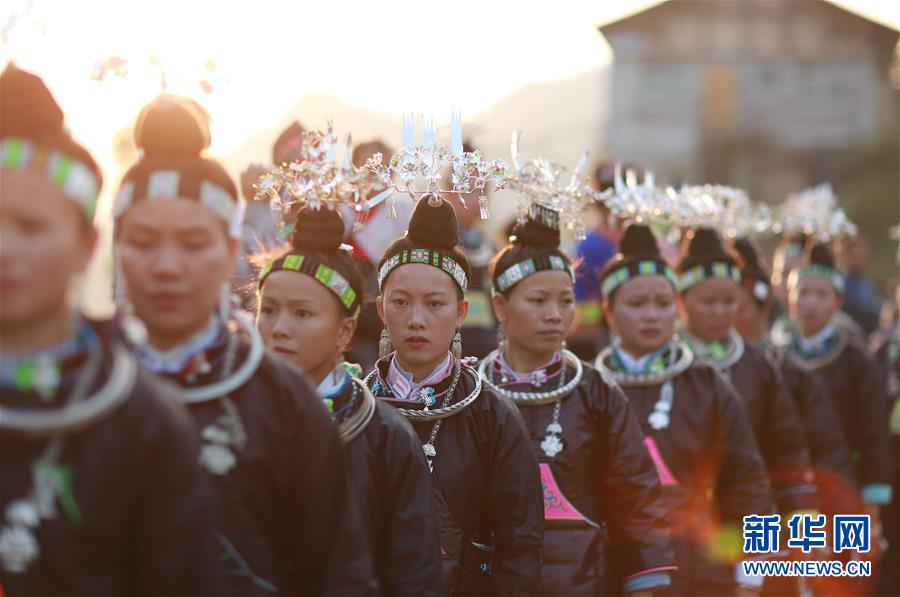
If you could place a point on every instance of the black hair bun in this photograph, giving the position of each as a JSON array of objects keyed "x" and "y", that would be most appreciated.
[
  {"x": 748, "y": 258},
  {"x": 434, "y": 227},
  {"x": 172, "y": 125},
  {"x": 27, "y": 107},
  {"x": 704, "y": 242},
  {"x": 317, "y": 230},
  {"x": 820, "y": 254},
  {"x": 638, "y": 241},
  {"x": 540, "y": 230}
]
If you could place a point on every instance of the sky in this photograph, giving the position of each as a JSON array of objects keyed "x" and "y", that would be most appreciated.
[
  {"x": 389, "y": 56},
  {"x": 392, "y": 56}
]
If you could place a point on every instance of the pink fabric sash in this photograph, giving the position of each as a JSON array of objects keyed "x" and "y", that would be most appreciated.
[
  {"x": 556, "y": 506},
  {"x": 665, "y": 475}
]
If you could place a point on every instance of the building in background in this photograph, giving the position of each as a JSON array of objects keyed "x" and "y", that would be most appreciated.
[{"x": 770, "y": 95}]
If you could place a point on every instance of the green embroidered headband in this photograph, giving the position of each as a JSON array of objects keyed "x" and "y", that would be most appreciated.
[
  {"x": 815, "y": 269},
  {"x": 169, "y": 184},
  {"x": 72, "y": 177},
  {"x": 519, "y": 271},
  {"x": 327, "y": 276},
  {"x": 718, "y": 269},
  {"x": 644, "y": 267},
  {"x": 431, "y": 257}
]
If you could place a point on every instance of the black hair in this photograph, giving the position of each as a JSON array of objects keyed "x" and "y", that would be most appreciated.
[
  {"x": 318, "y": 235},
  {"x": 534, "y": 238},
  {"x": 28, "y": 110},
  {"x": 432, "y": 227},
  {"x": 173, "y": 133}
]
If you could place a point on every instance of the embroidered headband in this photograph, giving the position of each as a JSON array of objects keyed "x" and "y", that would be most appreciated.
[
  {"x": 71, "y": 176},
  {"x": 431, "y": 257},
  {"x": 629, "y": 270},
  {"x": 519, "y": 271},
  {"x": 170, "y": 184},
  {"x": 815, "y": 269},
  {"x": 717, "y": 269},
  {"x": 328, "y": 277}
]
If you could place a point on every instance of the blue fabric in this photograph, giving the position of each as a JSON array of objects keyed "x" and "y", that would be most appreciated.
[
  {"x": 877, "y": 493},
  {"x": 593, "y": 254},
  {"x": 862, "y": 302},
  {"x": 643, "y": 582}
]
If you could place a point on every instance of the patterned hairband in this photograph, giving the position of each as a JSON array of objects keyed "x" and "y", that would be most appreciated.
[
  {"x": 519, "y": 271},
  {"x": 169, "y": 184},
  {"x": 815, "y": 269},
  {"x": 719, "y": 269},
  {"x": 644, "y": 267},
  {"x": 74, "y": 178},
  {"x": 430, "y": 257},
  {"x": 328, "y": 277}
]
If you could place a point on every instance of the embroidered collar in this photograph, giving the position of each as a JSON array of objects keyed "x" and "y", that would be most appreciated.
[
  {"x": 817, "y": 344},
  {"x": 401, "y": 385},
  {"x": 337, "y": 392},
  {"x": 821, "y": 349},
  {"x": 176, "y": 360},
  {"x": 654, "y": 362},
  {"x": 678, "y": 360},
  {"x": 45, "y": 371},
  {"x": 721, "y": 353},
  {"x": 537, "y": 378}
]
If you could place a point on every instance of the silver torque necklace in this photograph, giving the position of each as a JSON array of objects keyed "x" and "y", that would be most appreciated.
[
  {"x": 226, "y": 434},
  {"x": 357, "y": 422},
  {"x": 680, "y": 359},
  {"x": 552, "y": 443},
  {"x": 19, "y": 547},
  {"x": 227, "y": 382},
  {"x": 533, "y": 398},
  {"x": 439, "y": 414}
]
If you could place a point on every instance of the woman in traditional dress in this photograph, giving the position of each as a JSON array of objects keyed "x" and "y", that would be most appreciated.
[
  {"x": 486, "y": 481},
  {"x": 285, "y": 514},
  {"x": 696, "y": 427},
  {"x": 602, "y": 499},
  {"x": 100, "y": 489},
  {"x": 309, "y": 301},
  {"x": 708, "y": 293},
  {"x": 852, "y": 377},
  {"x": 828, "y": 451}
]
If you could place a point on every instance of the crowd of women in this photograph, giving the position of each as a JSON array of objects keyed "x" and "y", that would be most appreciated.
[{"x": 188, "y": 447}]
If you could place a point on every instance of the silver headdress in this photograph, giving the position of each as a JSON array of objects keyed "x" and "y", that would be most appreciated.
[
  {"x": 540, "y": 182},
  {"x": 731, "y": 211},
  {"x": 813, "y": 211},
  {"x": 317, "y": 179},
  {"x": 727, "y": 209},
  {"x": 416, "y": 169}
]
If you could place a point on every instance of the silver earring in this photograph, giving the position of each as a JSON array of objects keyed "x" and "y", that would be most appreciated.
[
  {"x": 501, "y": 337},
  {"x": 132, "y": 327},
  {"x": 456, "y": 346},
  {"x": 225, "y": 302},
  {"x": 384, "y": 344}
]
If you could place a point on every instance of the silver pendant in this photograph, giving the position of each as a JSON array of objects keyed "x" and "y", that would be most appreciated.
[
  {"x": 217, "y": 459},
  {"x": 18, "y": 548},
  {"x": 429, "y": 450},
  {"x": 551, "y": 445},
  {"x": 538, "y": 378},
  {"x": 658, "y": 420},
  {"x": 24, "y": 513}
]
